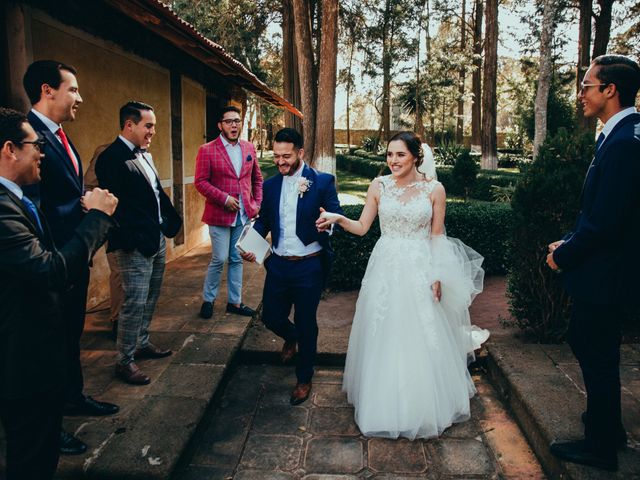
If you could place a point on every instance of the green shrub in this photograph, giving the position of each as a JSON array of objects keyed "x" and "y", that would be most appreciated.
[
  {"x": 362, "y": 166},
  {"x": 545, "y": 205},
  {"x": 370, "y": 143},
  {"x": 464, "y": 173},
  {"x": 485, "y": 227},
  {"x": 447, "y": 153}
]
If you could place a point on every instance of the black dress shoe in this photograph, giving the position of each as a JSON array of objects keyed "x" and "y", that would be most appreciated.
[
  {"x": 241, "y": 310},
  {"x": 90, "y": 406},
  {"x": 70, "y": 445},
  {"x": 581, "y": 452},
  {"x": 621, "y": 440},
  {"x": 206, "y": 310}
]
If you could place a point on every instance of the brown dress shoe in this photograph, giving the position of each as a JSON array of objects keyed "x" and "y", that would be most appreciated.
[
  {"x": 288, "y": 351},
  {"x": 300, "y": 393},
  {"x": 151, "y": 351},
  {"x": 130, "y": 373}
]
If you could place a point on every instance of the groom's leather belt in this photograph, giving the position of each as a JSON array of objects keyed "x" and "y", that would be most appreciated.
[{"x": 304, "y": 257}]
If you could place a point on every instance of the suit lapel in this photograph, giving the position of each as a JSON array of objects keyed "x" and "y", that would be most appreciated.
[
  {"x": 223, "y": 152},
  {"x": 302, "y": 200},
  {"x": 27, "y": 214},
  {"x": 277, "y": 193}
]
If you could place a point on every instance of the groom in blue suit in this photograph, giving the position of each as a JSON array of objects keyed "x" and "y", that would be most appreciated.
[
  {"x": 299, "y": 266},
  {"x": 599, "y": 260}
]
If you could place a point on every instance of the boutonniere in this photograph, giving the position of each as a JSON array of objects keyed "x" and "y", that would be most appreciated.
[{"x": 304, "y": 184}]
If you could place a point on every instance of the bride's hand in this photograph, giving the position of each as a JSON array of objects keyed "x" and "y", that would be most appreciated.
[
  {"x": 437, "y": 291},
  {"x": 326, "y": 219}
]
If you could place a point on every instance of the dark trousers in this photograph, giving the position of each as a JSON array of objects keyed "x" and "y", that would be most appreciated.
[
  {"x": 32, "y": 428},
  {"x": 299, "y": 284},
  {"x": 74, "y": 305},
  {"x": 594, "y": 335}
]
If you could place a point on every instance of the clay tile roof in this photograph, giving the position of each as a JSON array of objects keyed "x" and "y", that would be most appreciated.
[{"x": 162, "y": 20}]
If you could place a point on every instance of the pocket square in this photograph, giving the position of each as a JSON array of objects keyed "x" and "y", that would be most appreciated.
[{"x": 249, "y": 158}]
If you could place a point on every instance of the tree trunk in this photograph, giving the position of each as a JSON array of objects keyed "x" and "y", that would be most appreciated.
[
  {"x": 386, "y": 74},
  {"x": 418, "y": 125},
  {"x": 324, "y": 157},
  {"x": 349, "y": 87},
  {"x": 544, "y": 76},
  {"x": 476, "y": 78},
  {"x": 602, "y": 28},
  {"x": 489, "y": 101},
  {"x": 304, "y": 54},
  {"x": 584, "y": 44},
  {"x": 461, "y": 79},
  {"x": 291, "y": 80}
]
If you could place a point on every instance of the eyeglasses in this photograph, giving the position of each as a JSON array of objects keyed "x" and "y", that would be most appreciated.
[
  {"x": 584, "y": 86},
  {"x": 232, "y": 121},
  {"x": 37, "y": 144}
]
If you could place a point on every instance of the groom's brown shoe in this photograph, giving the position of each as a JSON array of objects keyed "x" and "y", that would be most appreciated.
[
  {"x": 300, "y": 393},
  {"x": 288, "y": 351}
]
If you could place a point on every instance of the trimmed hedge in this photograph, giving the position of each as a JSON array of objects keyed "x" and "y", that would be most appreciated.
[
  {"x": 485, "y": 227},
  {"x": 481, "y": 188}
]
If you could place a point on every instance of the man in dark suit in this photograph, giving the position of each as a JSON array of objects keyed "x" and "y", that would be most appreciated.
[
  {"x": 145, "y": 216},
  {"x": 301, "y": 259},
  {"x": 52, "y": 88},
  {"x": 33, "y": 276},
  {"x": 599, "y": 260}
]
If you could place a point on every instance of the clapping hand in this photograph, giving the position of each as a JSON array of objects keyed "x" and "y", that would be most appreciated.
[
  {"x": 326, "y": 219},
  {"x": 436, "y": 288},
  {"x": 99, "y": 199}
]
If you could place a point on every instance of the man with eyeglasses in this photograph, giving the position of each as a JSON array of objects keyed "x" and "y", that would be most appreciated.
[
  {"x": 52, "y": 88},
  {"x": 34, "y": 275},
  {"x": 228, "y": 177},
  {"x": 599, "y": 260}
]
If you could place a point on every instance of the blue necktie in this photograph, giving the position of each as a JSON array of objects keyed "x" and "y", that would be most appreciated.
[
  {"x": 31, "y": 207},
  {"x": 601, "y": 138}
]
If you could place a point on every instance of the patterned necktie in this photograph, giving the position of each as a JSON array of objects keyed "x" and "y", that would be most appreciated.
[
  {"x": 67, "y": 147},
  {"x": 601, "y": 138},
  {"x": 31, "y": 207}
]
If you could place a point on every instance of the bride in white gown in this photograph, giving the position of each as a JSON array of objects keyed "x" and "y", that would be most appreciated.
[{"x": 411, "y": 340}]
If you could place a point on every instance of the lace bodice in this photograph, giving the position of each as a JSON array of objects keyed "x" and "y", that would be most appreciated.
[{"x": 405, "y": 212}]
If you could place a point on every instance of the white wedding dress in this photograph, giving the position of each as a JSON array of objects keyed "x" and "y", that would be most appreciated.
[{"x": 406, "y": 368}]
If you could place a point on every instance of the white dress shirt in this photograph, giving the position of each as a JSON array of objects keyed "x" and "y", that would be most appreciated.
[
  {"x": 146, "y": 162},
  {"x": 235, "y": 154},
  {"x": 289, "y": 244},
  {"x": 12, "y": 187}
]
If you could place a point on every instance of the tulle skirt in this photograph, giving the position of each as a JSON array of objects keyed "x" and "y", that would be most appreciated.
[{"x": 406, "y": 369}]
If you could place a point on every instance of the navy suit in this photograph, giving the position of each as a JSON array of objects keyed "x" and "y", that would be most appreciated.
[
  {"x": 601, "y": 265},
  {"x": 58, "y": 195},
  {"x": 297, "y": 283}
]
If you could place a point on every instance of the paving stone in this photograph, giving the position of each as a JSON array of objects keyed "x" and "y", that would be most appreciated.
[
  {"x": 319, "y": 476},
  {"x": 328, "y": 375},
  {"x": 261, "y": 475},
  {"x": 396, "y": 456},
  {"x": 333, "y": 421},
  {"x": 460, "y": 457},
  {"x": 334, "y": 455},
  {"x": 280, "y": 420},
  {"x": 468, "y": 429},
  {"x": 199, "y": 472},
  {"x": 188, "y": 381},
  {"x": 272, "y": 452},
  {"x": 207, "y": 349},
  {"x": 329, "y": 395},
  {"x": 222, "y": 442}
]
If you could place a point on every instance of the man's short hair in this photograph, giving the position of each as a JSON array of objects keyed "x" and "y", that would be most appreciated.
[
  {"x": 623, "y": 72},
  {"x": 41, "y": 72},
  {"x": 132, "y": 111},
  {"x": 11, "y": 126},
  {"x": 289, "y": 135},
  {"x": 228, "y": 108}
]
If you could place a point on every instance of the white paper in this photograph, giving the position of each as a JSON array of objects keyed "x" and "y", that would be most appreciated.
[{"x": 251, "y": 241}]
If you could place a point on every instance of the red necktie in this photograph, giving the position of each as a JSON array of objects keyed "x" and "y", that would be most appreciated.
[{"x": 67, "y": 147}]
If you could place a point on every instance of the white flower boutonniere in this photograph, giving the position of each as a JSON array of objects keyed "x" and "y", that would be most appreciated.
[{"x": 304, "y": 184}]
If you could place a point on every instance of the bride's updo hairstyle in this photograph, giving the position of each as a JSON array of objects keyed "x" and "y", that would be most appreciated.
[{"x": 414, "y": 145}]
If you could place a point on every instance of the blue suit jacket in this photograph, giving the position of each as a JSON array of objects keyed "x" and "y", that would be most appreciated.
[
  {"x": 322, "y": 193},
  {"x": 60, "y": 189},
  {"x": 600, "y": 259}
]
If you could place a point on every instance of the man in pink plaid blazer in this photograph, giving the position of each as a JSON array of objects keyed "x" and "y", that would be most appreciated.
[{"x": 229, "y": 178}]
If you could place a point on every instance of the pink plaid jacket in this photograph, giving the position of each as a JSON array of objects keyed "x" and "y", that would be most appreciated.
[{"x": 216, "y": 178}]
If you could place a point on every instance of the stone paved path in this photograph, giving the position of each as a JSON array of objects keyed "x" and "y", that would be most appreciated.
[{"x": 252, "y": 432}]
